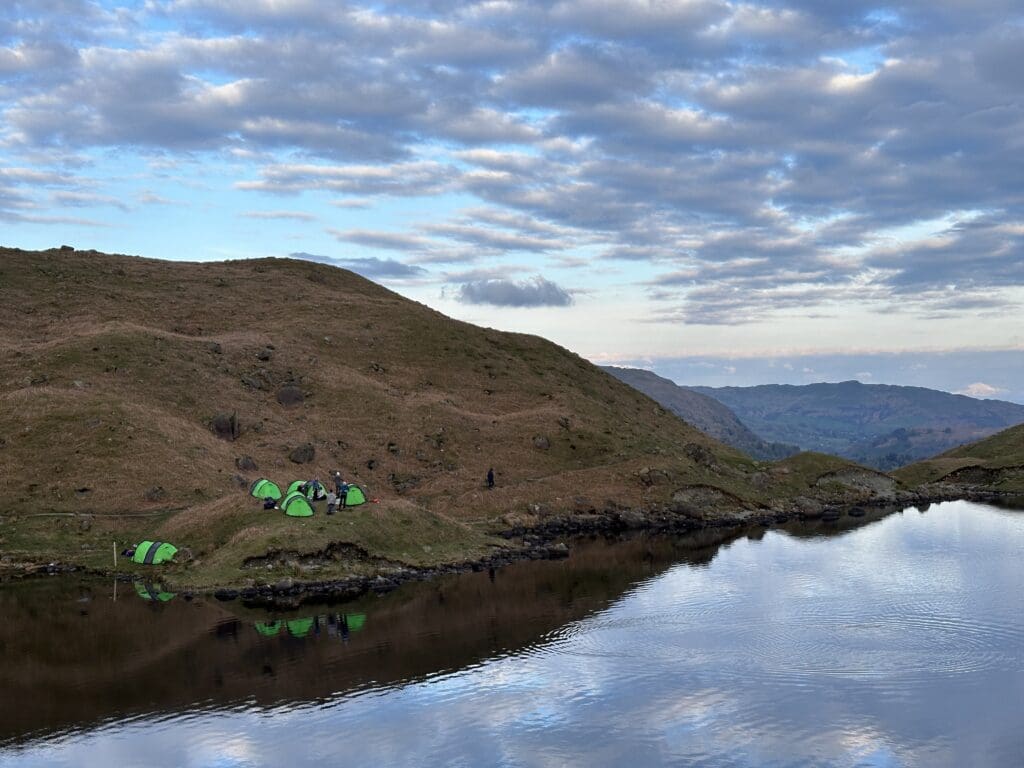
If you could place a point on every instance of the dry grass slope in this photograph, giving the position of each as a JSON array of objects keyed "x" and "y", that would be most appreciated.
[{"x": 112, "y": 369}]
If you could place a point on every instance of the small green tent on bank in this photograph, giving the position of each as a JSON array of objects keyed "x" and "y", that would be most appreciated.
[
  {"x": 296, "y": 504},
  {"x": 265, "y": 489},
  {"x": 355, "y": 496},
  {"x": 154, "y": 552}
]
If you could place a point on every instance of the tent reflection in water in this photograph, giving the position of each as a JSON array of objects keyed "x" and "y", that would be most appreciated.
[
  {"x": 156, "y": 594},
  {"x": 297, "y": 505},
  {"x": 335, "y": 623},
  {"x": 265, "y": 489}
]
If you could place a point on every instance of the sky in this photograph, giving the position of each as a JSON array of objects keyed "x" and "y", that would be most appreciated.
[{"x": 723, "y": 192}]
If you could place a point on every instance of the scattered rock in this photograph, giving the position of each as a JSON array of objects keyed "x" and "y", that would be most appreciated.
[
  {"x": 393, "y": 448},
  {"x": 258, "y": 379},
  {"x": 857, "y": 512},
  {"x": 265, "y": 354},
  {"x": 304, "y": 454},
  {"x": 698, "y": 454},
  {"x": 563, "y": 422},
  {"x": 246, "y": 464},
  {"x": 82, "y": 492},
  {"x": 226, "y": 594},
  {"x": 808, "y": 507},
  {"x": 67, "y": 248},
  {"x": 377, "y": 368},
  {"x": 184, "y": 555},
  {"x": 630, "y": 518},
  {"x": 240, "y": 482},
  {"x": 214, "y": 348},
  {"x": 371, "y": 463},
  {"x": 290, "y": 395},
  {"x": 541, "y": 443},
  {"x": 226, "y": 426},
  {"x": 650, "y": 476},
  {"x": 156, "y": 493},
  {"x": 85, "y": 524}
]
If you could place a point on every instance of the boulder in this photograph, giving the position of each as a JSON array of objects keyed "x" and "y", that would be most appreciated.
[
  {"x": 303, "y": 454},
  {"x": 541, "y": 443},
  {"x": 226, "y": 426},
  {"x": 290, "y": 395},
  {"x": 246, "y": 464}
]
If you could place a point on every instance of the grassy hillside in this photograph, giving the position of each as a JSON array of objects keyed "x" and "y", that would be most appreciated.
[
  {"x": 704, "y": 412},
  {"x": 876, "y": 425},
  {"x": 115, "y": 371},
  {"x": 993, "y": 464}
]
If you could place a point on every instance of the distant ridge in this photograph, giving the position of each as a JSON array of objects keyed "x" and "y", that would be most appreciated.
[
  {"x": 702, "y": 411},
  {"x": 879, "y": 425}
]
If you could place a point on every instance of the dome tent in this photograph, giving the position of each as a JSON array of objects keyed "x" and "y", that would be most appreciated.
[
  {"x": 154, "y": 552},
  {"x": 355, "y": 496},
  {"x": 265, "y": 489},
  {"x": 313, "y": 489},
  {"x": 297, "y": 505}
]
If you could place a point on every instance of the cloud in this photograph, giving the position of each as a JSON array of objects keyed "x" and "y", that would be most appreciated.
[
  {"x": 750, "y": 160},
  {"x": 537, "y": 292},
  {"x": 372, "y": 268},
  {"x": 981, "y": 390},
  {"x": 390, "y": 241},
  {"x": 279, "y": 215}
]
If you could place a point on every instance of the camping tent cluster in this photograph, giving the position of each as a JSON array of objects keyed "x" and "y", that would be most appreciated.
[{"x": 297, "y": 500}]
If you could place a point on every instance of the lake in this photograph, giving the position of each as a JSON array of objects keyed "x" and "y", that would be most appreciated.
[{"x": 889, "y": 640}]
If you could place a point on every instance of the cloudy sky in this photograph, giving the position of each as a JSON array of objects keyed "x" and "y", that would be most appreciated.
[{"x": 727, "y": 192}]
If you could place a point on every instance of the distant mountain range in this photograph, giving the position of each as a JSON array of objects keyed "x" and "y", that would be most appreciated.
[
  {"x": 878, "y": 425},
  {"x": 702, "y": 411}
]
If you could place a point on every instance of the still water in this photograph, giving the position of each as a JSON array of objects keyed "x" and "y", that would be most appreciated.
[{"x": 890, "y": 640}]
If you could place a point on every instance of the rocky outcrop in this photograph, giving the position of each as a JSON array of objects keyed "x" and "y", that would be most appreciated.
[{"x": 226, "y": 426}]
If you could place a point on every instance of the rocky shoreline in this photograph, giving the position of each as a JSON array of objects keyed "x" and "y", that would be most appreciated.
[{"x": 541, "y": 541}]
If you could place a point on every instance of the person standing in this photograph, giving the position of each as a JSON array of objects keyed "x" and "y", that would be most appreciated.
[{"x": 490, "y": 477}]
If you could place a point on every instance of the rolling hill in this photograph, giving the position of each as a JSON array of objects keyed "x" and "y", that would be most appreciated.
[
  {"x": 877, "y": 425},
  {"x": 994, "y": 465},
  {"x": 702, "y": 411},
  {"x": 141, "y": 397}
]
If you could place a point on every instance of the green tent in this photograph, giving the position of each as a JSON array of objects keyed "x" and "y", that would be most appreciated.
[
  {"x": 311, "y": 487},
  {"x": 355, "y": 621},
  {"x": 297, "y": 505},
  {"x": 269, "y": 628},
  {"x": 264, "y": 489},
  {"x": 148, "y": 592},
  {"x": 154, "y": 552},
  {"x": 355, "y": 496}
]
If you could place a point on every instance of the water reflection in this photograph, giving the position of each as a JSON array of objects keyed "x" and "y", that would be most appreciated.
[{"x": 901, "y": 643}]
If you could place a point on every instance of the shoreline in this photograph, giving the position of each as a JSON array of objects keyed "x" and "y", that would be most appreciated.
[{"x": 544, "y": 541}]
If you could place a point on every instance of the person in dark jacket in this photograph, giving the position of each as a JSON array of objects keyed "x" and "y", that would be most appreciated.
[{"x": 490, "y": 477}]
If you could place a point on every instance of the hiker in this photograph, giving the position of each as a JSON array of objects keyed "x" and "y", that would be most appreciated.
[
  {"x": 490, "y": 477},
  {"x": 338, "y": 482},
  {"x": 342, "y": 494},
  {"x": 269, "y": 503},
  {"x": 332, "y": 502}
]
